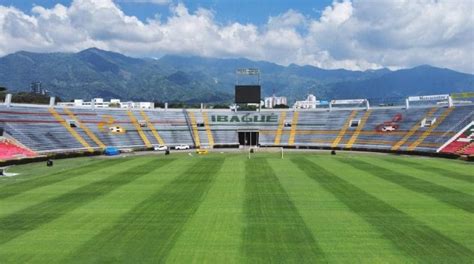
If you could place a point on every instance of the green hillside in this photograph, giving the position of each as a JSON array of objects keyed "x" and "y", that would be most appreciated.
[
  {"x": 98, "y": 73},
  {"x": 226, "y": 208}
]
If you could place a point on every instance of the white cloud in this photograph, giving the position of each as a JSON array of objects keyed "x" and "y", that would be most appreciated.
[
  {"x": 158, "y": 2},
  {"x": 355, "y": 35},
  {"x": 401, "y": 33},
  {"x": 290, "y": 19},
  {"x": 338, "y": 13}
]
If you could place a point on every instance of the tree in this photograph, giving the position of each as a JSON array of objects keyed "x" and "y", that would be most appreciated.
[
  {"x": 220, "y": 106},
  {"x": 159, "y": 104},
  {"x": 114, "y": 105},
  {"x": 281, "y": 106},
  {"x": 245, "y": 107},
  {"x": 30, "y": 98},
  {"x": 176, "y": 105},
  {"x": 3, "y": 92}
]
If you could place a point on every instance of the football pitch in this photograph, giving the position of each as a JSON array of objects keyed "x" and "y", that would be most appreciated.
[{"x": 225, "y": 208}]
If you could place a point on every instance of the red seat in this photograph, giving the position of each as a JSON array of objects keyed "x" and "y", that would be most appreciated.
[
  {"x": 9, "y": 150},
  {"x": 454, "y": 146},
  {"x": 469, "y": 150}
]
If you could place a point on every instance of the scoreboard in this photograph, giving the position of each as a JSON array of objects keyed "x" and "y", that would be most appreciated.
[{"x": 247, "y": 94}]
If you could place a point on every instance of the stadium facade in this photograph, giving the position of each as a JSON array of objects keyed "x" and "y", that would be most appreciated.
[{"x": 35, "y": 130}]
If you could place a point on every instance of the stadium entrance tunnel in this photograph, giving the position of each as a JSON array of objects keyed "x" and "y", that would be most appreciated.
[{"x": 248, "y": 138}]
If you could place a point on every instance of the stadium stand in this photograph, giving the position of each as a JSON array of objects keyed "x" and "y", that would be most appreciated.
[
  {"x": 11, "y": 150},
  {"x": 37, "y": 128},
  {"x": 420, "y": 129},
  {"x": 462, "y": 143},
  {"x": 467, "y": 150}
]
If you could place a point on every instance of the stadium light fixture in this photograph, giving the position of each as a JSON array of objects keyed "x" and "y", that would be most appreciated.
[{"x": 248, "y": 72}]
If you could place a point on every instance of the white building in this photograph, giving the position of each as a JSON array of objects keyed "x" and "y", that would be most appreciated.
[
  {"x": 309, "y": 103},
  {"x": 114, "y": 103},
  {"x": 270, "y": 102},
  {"x": 137, "y": 105}
]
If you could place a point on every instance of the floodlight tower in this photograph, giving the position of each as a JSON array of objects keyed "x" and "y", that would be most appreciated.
[{"x": 248, "y": 72}]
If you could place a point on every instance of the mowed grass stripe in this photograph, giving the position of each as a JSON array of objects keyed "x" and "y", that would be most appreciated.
[
  {"x": 39, "y": 169},
  {"x": 30, "y": 218},
  {"x": 448, "y": 164},
  {"x": 436, "y": 170},
  {"x": 444, "y": 218},
  {"x": 35, "y": 196},
  {"x": 213, "y": 234},
  {"x": 429, "y": 174},
  {"x": 34, "y": 183},
  {"x": 149, "y": 231},
  {"x": 342, "y": 234},
  {"x": 77, "y": 227},
  {"x": 274, "y": 230},
  {"x": 446, "y": 195},
  {"x": 414, "y": 238}
]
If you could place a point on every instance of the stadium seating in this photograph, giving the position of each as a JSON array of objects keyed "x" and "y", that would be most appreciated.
[
  {"x": 468, "y": 150},
  {"x": 44, "y": 129},
  {"x": 10, "y": 150},
  {"x": 37, "y": 129},
  {"x": 462, "y": 143}
]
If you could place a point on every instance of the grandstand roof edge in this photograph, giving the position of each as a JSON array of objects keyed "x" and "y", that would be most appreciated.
[{"x": 228, "y": 110}]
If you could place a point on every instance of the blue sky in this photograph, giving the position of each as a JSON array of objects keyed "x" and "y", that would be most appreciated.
[
  {"x": 244, "y": 11},
  {"x": 350, "y": 34}
]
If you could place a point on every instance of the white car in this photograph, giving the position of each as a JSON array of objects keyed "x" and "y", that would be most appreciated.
[
  {"x": 388, "y": 128},
  {"x": 182, "y": 146},
  {"x": 161, "y": 148}
]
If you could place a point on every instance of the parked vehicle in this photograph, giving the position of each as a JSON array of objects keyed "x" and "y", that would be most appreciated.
[
  {"x": 202, "y": 151},
  {"x": 182, "y": 147},
  {"x": 161, "y": 148}
]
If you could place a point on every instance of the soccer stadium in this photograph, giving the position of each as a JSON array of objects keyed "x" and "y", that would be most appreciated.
[
  {"x": 230, "y": 131},
  {"x": 342, "y": 184}
]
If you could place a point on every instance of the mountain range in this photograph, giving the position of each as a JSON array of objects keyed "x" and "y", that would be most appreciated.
[{"x": 98, "y": 73}]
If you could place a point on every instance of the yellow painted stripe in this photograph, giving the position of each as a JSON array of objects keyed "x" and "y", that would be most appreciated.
[
  {"x": 431, "y": 128},
  {"x": 195, "y": 129},
  {"x": 343, "y": 130},
  {"x": 210, "y": 138},
  {"x": 139, "y": 129},
  {"x": 85, "y": 128},
  {"x": 354, "y": 137},
  {"x": 294, "y": 123},
  {"x": 152, "y": 127},
  {"x": 73, "y": 132},
  {"x": 280, "y": 128},
  {"x": 412, "y": 130}
]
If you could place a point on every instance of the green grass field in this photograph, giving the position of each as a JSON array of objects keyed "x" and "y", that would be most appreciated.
[{"x": 226, "y": 208}]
